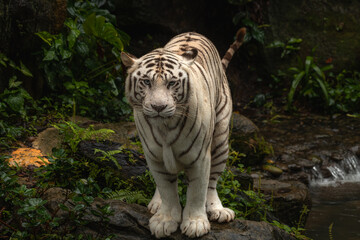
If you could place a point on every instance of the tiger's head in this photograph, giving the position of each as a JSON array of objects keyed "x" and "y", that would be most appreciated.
[{"x": 158, "y": 82}]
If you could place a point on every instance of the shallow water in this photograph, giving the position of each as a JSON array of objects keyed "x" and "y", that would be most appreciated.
[{"x": 337, "y": 203}]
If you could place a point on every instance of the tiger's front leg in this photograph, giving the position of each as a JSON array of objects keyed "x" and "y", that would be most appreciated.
[
  {"x": 195, "y": 222},
  {"x": 167, "y": 218}
]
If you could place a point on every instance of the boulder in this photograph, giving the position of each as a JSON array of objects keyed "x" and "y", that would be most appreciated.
[
  {"x": 130, "y": 222},
  {"x": 242, "y": 125},
  {"x": 132, "y": 163}
]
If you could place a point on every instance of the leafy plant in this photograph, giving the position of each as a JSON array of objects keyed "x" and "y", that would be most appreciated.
[
  {"x": 344, "y": 91},
  {"x": 74, "y": 134},
  {"x": 292, "y": 45},
  {"x": 129, "y": 196},
  {"x": 82, "y": 64},
  {"x": 312, "y": 80},
  {"x": 15, "y": 104},
  {"x": 295, "y": 232}
]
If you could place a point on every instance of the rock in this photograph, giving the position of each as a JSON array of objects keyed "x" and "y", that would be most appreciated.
[
  {"x": 47, "y": 140},
  {"x": 243, "y": 125},
  {"x": 131, "y": 166},
  {"x": 50, "y": 137},
  {"x": 245, "y": 139},
  {"x": 287, "y": 198},
  {"x": 294, "y": 167},
  {"x": 130, "y": 222},
  {"x": 305, "y": 163},
  {"x": 272, "y": 169},
  {"x": 301, "y": 176}
]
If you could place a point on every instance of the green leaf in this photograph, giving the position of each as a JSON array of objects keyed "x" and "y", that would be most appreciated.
[
  {"x": 82, "y": 48},
  {"x": 294, "y": 40},
  {"x": 294, "y": 85},
  {"x": 49, "y": 55},
  {"x": 324, "y": 90},
  {"x": 294, "y": 69},
  {"x": 308, "y": 62},
  {"x": 3, "y": 60},
  {"x": 65, "y": 54},
  {"x": 276, "y": 44},
  {"x": 46, "y": 37},
  {"x": 89, "y": 24},
  {"x": 13, "y": 83},
  {"x": 318, "y": 71},
  {"x": 79, "y": 207},
  {"x": 24, "y": 70},
  {"x": 16, "y": 103},
  {"x": 96, "y": 26},
  {"x": 327, "y": 68}
]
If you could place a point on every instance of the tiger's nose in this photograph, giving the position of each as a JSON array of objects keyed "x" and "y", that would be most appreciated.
[{"x": 158, "y": 108}]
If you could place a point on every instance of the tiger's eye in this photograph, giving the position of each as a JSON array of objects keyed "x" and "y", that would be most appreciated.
[
  {"x": 147, "y": 82},
  {"x": 171, "y": 83}
]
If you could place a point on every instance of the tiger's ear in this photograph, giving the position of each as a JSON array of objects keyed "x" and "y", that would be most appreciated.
[
  {"x": 189, "y": 55},
  {"x": 128, "y": 59}
]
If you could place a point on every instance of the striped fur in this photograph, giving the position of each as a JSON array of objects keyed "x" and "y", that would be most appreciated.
[
  {"x": 182, "y": 108},
  {"x": 233, "y": 47}
]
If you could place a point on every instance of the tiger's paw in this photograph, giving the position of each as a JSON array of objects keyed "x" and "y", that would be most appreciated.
[
  {"x": 162, "y": 225},
  {"x": 195, "y": 227},
  {"x": 221, "y": 214},
  {"x": 154, "y": 205}
]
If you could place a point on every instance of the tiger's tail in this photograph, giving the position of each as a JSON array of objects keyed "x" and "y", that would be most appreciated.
[{"x": 233, "y": 47}]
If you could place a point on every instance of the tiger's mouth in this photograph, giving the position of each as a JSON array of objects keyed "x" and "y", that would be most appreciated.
[{"x": 166, "y": 113}]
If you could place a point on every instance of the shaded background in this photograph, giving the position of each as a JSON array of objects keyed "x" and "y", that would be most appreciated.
[{"x": 331, "y": 27}]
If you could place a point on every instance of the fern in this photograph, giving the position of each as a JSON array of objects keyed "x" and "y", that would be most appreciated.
[
  {"x": 73, "y": 134},
  {"x": 109, "y": 155},
  {"x": 128, "y": 196}
]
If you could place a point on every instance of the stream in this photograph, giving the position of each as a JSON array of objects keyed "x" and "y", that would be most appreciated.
[
  {"x": 333, "y": 147},
  {"x": 336, "y": 202}
]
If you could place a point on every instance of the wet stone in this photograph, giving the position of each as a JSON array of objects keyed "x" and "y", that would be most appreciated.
[
  {"x": 288, "y": 198},
  {"x": 294, "y": 167},
  {"x": 305, "y": 163}
]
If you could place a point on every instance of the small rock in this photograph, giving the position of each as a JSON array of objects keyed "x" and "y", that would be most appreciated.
[
  {"x": 294, "y": 167},
  {"x": 243, "y": 125},
  {"x": 305, "y": 163},
  {"x": 272, "y": 169},
  {"x": 47, "y": 140}
]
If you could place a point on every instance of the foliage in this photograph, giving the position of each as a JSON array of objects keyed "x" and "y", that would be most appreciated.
[
  {"x": 82, "y": 64},
  {"x": 295, "y": 232},
  {"x": 109, "y": 155},
  {"x": 311, "y": 79},
  {"x": 243, "y": 18},
  {"x": 129, "y": 196},
  {"x": 291, "y": 46},
  {"x": 345, "y": 91},
  {"x": 74, "y": 134},
  {"x": 24, "y": 214},
  {"x": 15, "y": 104}
]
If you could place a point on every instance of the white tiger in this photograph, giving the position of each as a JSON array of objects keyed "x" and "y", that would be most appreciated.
[{"x": 182, "y": 108}]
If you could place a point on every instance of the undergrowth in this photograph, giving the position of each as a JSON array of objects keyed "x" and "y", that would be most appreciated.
[{"x": 25, "y": 213}]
